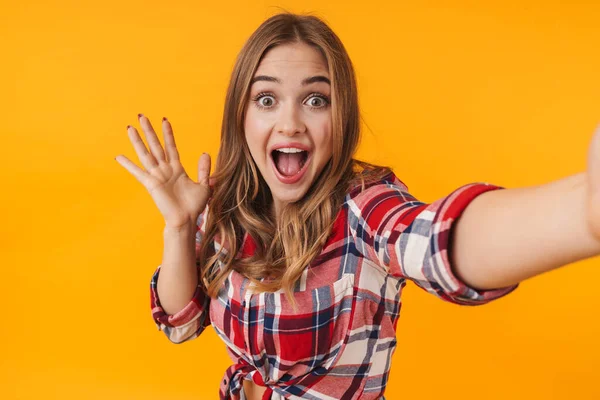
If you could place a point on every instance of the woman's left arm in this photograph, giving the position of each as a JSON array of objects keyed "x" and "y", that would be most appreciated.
[{"x": 506, "y": 236}]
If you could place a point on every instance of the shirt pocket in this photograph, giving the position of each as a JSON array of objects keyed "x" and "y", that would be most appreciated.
[{"x": 312, "y": 337}]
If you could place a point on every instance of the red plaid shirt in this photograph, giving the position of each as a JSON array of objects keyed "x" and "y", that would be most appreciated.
[{"x": 340, "y": 342}]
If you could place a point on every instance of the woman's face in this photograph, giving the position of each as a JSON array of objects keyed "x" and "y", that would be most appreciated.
[{"x": 288, "y": 120}]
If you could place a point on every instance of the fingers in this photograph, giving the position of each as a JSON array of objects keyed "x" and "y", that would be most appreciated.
[
  {"x": 593, "y": 163},
  {"x": 136, "y": 171},
  {"x": 152, "y": 139},
  {"x": 147, "y": 159},
  {"x": 171, "y": 148},
  {"x": 204, "y": 169}
]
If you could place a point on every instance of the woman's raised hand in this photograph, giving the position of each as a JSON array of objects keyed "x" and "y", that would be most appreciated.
[{"x": 179, "y": 199}]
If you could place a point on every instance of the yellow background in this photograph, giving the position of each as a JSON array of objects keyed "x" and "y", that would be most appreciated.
[{"x": 505, "y": 92}]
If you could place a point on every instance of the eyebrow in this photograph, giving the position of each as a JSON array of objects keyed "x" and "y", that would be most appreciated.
[{"x": 306, "y": 81}]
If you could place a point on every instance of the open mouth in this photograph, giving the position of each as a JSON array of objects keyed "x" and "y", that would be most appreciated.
[{"x": 289, "y": 163}]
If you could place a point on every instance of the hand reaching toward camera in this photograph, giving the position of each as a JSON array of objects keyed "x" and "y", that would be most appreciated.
[{"x": 179, "y": 199}]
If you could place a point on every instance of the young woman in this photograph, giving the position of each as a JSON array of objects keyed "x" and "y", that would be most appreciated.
[{"x": 295, "y": 252}]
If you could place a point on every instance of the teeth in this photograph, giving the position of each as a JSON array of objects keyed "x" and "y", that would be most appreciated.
[{"x": 290, "y": 150}]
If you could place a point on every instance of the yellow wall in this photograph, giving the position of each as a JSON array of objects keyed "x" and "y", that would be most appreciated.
[{"x": 453, "y": 92}]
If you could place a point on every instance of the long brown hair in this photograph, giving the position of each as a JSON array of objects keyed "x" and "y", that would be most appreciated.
[{"x": 241, "y": 200}]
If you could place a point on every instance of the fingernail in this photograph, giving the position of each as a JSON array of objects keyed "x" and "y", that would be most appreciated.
[
  {"x": 140, "y": 115},
  {"x": 128, "y": 126},
  {"x": 164, "y": 118}
]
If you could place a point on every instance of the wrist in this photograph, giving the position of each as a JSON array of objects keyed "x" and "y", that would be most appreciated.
[{"x": 184, "y": 228}]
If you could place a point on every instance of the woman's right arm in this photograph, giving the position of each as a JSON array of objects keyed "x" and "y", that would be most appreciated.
[
  {"x": 179, "y": 275},
  {"x": 180, "y": 307}
]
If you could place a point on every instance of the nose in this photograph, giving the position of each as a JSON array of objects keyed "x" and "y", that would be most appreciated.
[{"x": 289, "y": 121}]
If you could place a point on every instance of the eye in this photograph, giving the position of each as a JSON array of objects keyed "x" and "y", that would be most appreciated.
[
  {"x": 268, "y": 101},
  {"x": 317, "y": 100},
  {"x": 264, "y": 100}
]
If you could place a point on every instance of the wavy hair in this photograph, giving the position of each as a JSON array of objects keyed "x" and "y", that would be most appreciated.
[{"x": 241, "y": 200}]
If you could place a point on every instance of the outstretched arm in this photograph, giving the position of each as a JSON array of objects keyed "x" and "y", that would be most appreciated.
[{"x": 506, "y": 236}]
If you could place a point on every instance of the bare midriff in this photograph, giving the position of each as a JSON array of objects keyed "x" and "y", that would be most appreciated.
[{"x": 253, "y": 391}]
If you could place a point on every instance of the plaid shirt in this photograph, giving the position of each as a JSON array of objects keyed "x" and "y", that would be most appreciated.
[{"x": 340, "y": 342}]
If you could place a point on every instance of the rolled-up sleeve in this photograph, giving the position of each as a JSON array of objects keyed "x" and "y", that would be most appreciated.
[
  {"x": 411, "y": 239},
  {"x": 189, "y": 322}
]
